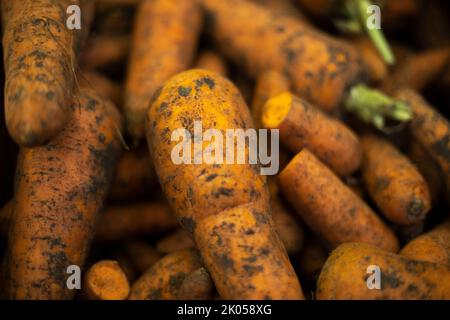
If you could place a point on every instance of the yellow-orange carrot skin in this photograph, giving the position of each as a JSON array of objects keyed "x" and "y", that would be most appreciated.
[
  {"x": 39, "y": 58},
  {"x": 393, "y": 182},
  {"x": 140, "y": 219},
  {"x": 164, "y": 41},
  {"x": 329, "y": 207},
  {"x": 431, "y": 129},
  {"x": 164, "y": 279},
  {"x": 344, "y": 276},
  {"x": 60, "y": 189},
  {"x": 268, "y": 84},
  {"x": 211, "y": 60},
  {"x": 302, "y": 125},
  {"x": 105, "y": 280},
  {"x": 320, "y": 68},
  {"x": 433, "y": 246},
  {"x": 203, "y": 195}
]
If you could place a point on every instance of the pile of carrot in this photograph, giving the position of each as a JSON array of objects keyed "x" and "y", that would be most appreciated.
[{"x": 94, "y": 206}]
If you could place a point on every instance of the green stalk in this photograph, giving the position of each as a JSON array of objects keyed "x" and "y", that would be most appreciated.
[
  {"x": 376, "y": 35},
  {"x": 373, "y": 106}
]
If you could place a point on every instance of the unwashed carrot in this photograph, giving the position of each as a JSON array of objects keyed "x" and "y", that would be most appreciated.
[
  {"x": 60, "y": 189},
  {"x": 302, "y": 125},
  {"x": 345, "y": 276},
  {"x": 433, "y": 246},
  {"x": 164, "y": 41},
  {"x": 393, "y": 182},
  {"x": 165, "y": 278},
  {"x": 39, "y": 58},
  {"x": 329, "y": 207},
  {"x": 225, "y": 206},
  {"x": 320, "y": 68},
  {"x": 431, "y": 130},
  {"x": 105, "y": 280}
]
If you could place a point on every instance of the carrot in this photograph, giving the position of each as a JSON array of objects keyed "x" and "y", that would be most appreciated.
[
  {"x": 196, "y": 286},
  {"x": 417, "y": 71},
  {"x": 377, "y": 69},
  {"x": 433, "y": 246},
  {"x": 345, "y": 276},
  {"x": 211, "y": 60},
  {"x": 430, "y": 129},
  {"x": 225, "y": 206},
  {"x": 164, "y": 40},
  {"x": 302, "y": 125},
  {"x": 60, "y": 189},
  {"x": 428, "y": 168},
  {"x": 139, "y": 219},
  {"x": 177, "y": 240},
  {"x": 105, "y": 280},
  {"x": 104, "y": 51},
  {"x": 142, "y": 255},
  {"x": 393, "y": 182},
  {"x": 5, "y": 218},
  {"x": 39, "y": 57},
  {"x": 135, "y": 176},
  {"x": 329, "y": 207},
  {"x": 320, "y": 68},
  {"x": 268, "y": 84},
  {"x": 102, "y": 85},
  {"x": 164, "y": 279}
]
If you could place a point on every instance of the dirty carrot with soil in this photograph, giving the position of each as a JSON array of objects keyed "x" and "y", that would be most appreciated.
[
  {"x": 164, "y": 42},
  {"x": 224, "y": 205},
  {"x": 432, "y": 246},
  {"x": 39, "y": 60},
  {"x": 393, "y": 182},
  {"x": 431, "y": 130},
  {"x": 60, "y": 189},
  {"x": 329, "y": 207},
  {"x": 105, "y": 280},
  {"x": 165, "y": 278},
  {"x": 302, "y": 125},
  {"x": 344, "y": 276}
]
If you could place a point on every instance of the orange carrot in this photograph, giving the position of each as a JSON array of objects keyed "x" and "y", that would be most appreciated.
[
  {"x": 60, "y": 189},
  {"x": 329, "y": 207}
]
